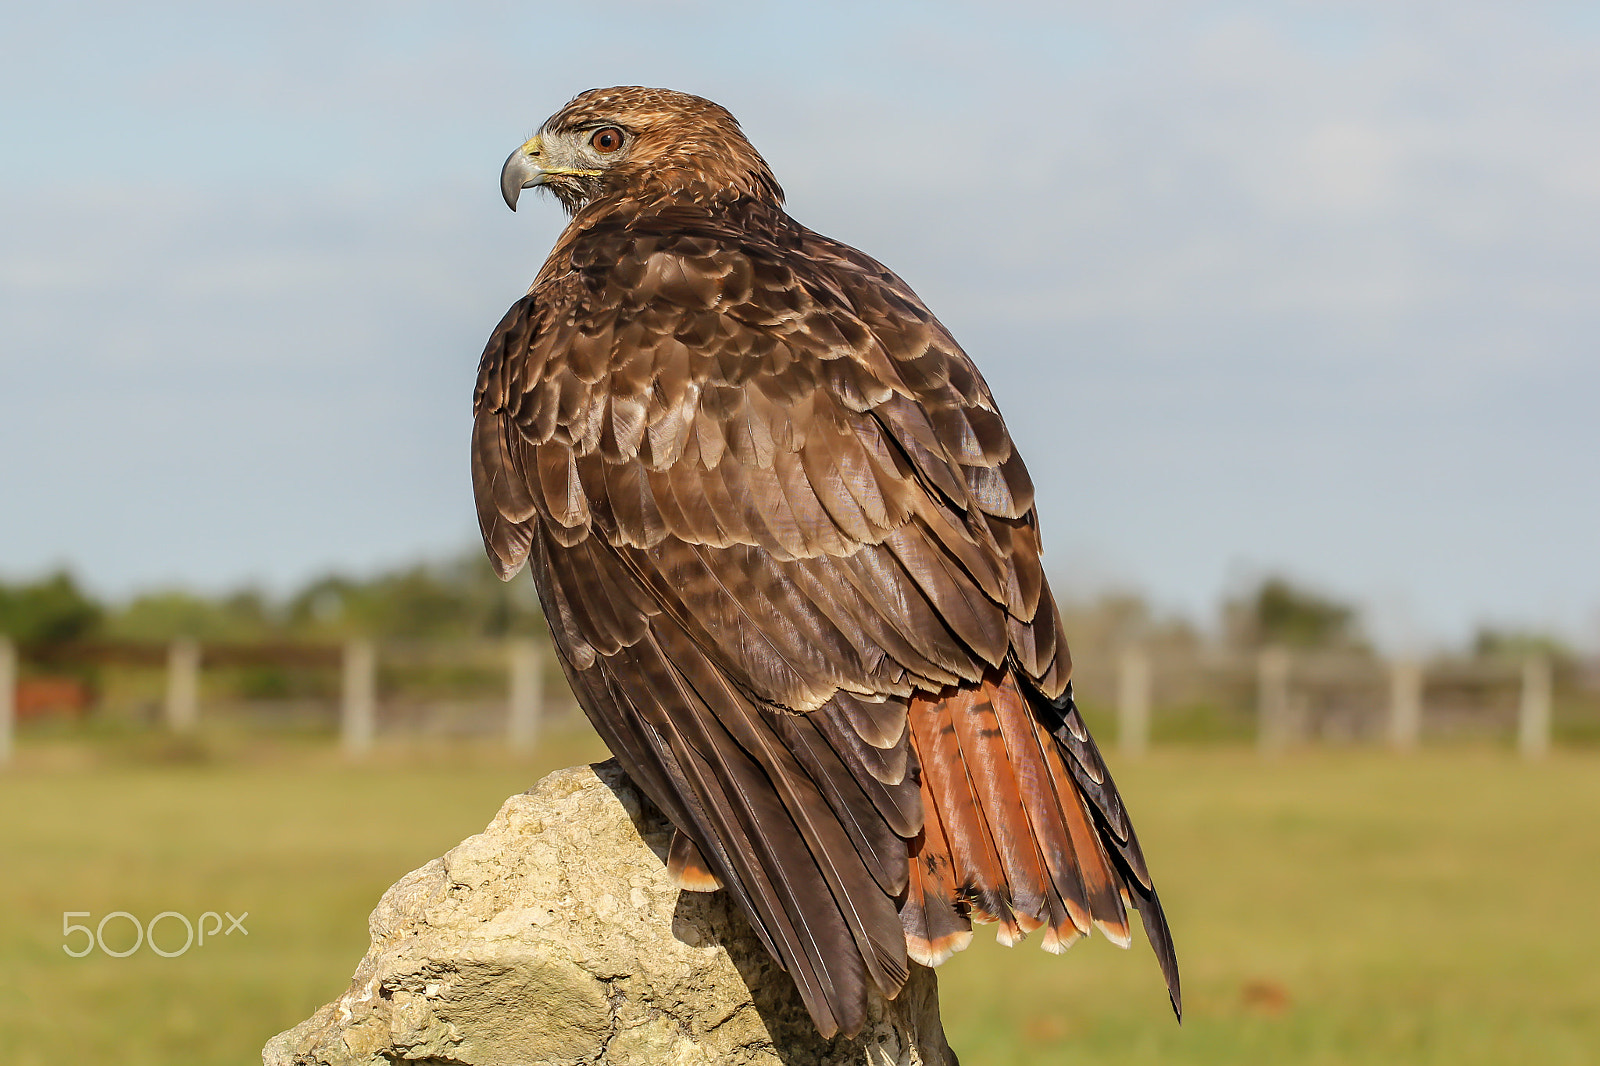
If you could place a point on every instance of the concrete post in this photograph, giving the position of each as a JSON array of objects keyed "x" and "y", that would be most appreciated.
[
  {"x": 1133, "y": 702},
  {"x": 1275, "y": 731},
  {"x": 1533, "y": 713},
  {"x": 358, "y": 705},
  {"x": 526, "y": 704},
  {"x": 8, "y": 697},
  {"x": 1405, "y": 704},
  {"x": 183, "y": 686}
]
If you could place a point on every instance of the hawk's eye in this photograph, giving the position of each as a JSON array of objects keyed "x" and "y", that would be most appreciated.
[{"x": 607, "y": 140}]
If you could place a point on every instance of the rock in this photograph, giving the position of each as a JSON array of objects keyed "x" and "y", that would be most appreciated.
[{"x": 554, "y": 937}]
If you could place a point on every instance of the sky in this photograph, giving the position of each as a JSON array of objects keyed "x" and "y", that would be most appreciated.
[{"x": 1261, "y": 288}]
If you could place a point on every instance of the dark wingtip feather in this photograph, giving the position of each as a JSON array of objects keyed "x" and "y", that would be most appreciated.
[
  {"x": 1160, "y": 937},
  {"x": 1089, "y": 773}
]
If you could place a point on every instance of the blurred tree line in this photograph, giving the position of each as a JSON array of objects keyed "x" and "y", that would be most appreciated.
[
  {"x": 51, "y": 609},
  {"x": 456, "y": 598},
  {"x": 461, "y": 598},
  {"x": 1273, "y": 612}
]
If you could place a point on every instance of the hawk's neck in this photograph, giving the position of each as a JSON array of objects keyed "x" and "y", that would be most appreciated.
[{"x": 619, "y": 218}]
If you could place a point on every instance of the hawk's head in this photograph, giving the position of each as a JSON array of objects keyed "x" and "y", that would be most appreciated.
[{"x": 641, "y": 143}]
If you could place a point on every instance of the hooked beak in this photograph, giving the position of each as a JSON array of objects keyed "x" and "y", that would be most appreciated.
[{"x": 521, "y": 171}]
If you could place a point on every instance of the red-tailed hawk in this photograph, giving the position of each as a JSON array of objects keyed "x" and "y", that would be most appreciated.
[{"x": 790, "y": 561}]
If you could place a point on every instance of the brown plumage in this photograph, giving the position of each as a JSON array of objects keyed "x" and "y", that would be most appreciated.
[{"x": 790, "y": 561}]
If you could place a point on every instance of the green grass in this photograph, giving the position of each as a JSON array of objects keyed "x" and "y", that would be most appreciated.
[
  {"x": 303, "y": 842},
  {"x": 1351, "y": 907},
  {"x": 1330, "y": 907}
]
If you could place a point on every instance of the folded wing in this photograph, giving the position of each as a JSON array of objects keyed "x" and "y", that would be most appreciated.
[{"x": 791, "y": 564}]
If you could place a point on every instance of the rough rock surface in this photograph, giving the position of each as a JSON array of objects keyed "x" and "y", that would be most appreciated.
[{"x": 554, "y": 937}]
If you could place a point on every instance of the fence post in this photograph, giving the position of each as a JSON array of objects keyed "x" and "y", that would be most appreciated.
[
  {"x": 526, "y": 704},
  {"x": 1405, "y": 704},
  {"x": 183, "y": 685},
  {"x": 1133, "y": 702},
  {"x": 1533, "y": 713},
  {"x": 357, "y": 707},
  {"x": 1275, "y": 730},
  {"x": 8, "y": 697}
]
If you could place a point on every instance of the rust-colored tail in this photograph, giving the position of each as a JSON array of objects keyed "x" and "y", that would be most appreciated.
[{"x": 1023, "y": 827}]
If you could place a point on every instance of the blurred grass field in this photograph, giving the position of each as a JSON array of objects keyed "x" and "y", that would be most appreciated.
[{"x": 1329, "y": 907}]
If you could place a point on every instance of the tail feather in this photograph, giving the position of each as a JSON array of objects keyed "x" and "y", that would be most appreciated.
[
  {"x": 1100, "y": 880},
  {"x": 1001, "y": 806},
  {"x": 935, "y": 925},
  {"x": 979, "y": 880},
  {"x": 1027, "y": 742},
  {"x": 1022, "y": 825}
]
